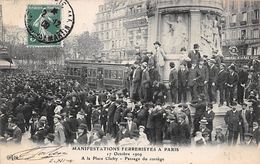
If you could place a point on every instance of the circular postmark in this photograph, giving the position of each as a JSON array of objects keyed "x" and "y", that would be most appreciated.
[{"x": 50, "y": 23}]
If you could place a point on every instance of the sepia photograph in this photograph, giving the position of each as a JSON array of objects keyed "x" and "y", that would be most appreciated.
[{"x": 127, "y": 81}]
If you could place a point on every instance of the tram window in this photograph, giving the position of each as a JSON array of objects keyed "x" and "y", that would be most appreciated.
[
  {"x": 89, "y": 72},
  {"x": 94, "y": 73},
  {"x": 106, "y": 74},
  {"x": 114, "y": 74},
  {"x": 120, "y": 75},
  {"x": 71, "y": 71}
]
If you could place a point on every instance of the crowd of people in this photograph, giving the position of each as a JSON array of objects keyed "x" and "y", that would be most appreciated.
[{"x": 59, "y": 111}]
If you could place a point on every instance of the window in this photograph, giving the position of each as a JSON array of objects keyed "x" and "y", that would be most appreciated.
[
  {"x": 233, "y": 4},
  {"x": 256, "y": 14},
  {"x": 107, "y": 25},
  {"x": 255, "y": 33},
  {"x": 244, "y": 16},
  {"x": 102, "y": 27},
  {"x": 113, "y": 44},
  {"x": 234, "y": 18},
  {"x": 243, "y": 34},
  {"x": 254, "y": 50},
  {"x": 113, "y": 25},
  {"x": 139, "y": 8},
  {"x": 107, "y": 36}
]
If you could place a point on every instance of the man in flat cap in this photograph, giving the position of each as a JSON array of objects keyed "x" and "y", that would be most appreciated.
[
  {"x": 233, "y": 120},
  {"x": 221, "y": 83},
  {"x": 232, "y": 80},
  {"x": 145, "y": 82},
  {"x": 59, "y": 134},
  {"x": 194, "y": 54},
  {"x": 159, "y": 58},
  {"x": 209, "y": 116},
  {"x": 213, "y": 74},
  {"x": 242, "y": 81},
  {"x": 173, "y": 82}
]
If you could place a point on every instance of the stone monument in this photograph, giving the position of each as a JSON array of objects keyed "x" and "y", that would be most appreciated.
[{"x": 182, "y": 23}]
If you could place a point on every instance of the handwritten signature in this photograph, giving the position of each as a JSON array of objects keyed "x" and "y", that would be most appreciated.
[{"x": 38, "y": 153}]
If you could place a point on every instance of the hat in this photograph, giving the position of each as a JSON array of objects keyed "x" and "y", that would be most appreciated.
[
  {"x": 205, "y": 56},
  {"x": 141, "y": 127},
  {"x": 50, "y": 137},
  {"x": 202, "y": 96},
  {"x": 212, "y": 61},
  {"x": 171, "y": 117},
  {"x": 210, "y": 105},
  {"x": 144, "y": 64},
  {"x": 157, "y": 42},
  {"x": 249, "y": 134},
  {"x": 129, "y": 115},
  {"x": 96, "y": 127},
  {"x": 196, "y": 46},
  {"x": 43, "y": 118},
  {"x": 183, "y": 105},
  {"x": 123, "y": 123},
  {"x": 232, "y": 67},
  {"x": 223, "y": 64},
  {"x": 14, "y": 120},
  {"x": 172, "y": 64},
  {"x": 219, "y": 128},
  {"x": 244, "y": 104},
  {"x": 183, "y": 49},
  {"x": 57, "y": 116},
  {"x": 113, "y": 98},
  {"x": 203, "y": 121},
  {"x": 83, "y": 126},
  {"x": 58, "y": 101},
  {"x": 81, "y": 113}
]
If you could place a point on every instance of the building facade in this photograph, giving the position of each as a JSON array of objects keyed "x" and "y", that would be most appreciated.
[
  {"x": 136, "y": 24},
  {"x": 121, "y": 25},
  {"x": 1, "y": 25},
  {"x": 241, "y": 35}
]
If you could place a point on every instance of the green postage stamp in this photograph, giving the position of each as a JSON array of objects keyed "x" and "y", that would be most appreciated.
[{"x": 47, "y": 25}]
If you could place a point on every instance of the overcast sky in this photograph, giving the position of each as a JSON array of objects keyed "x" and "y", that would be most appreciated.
[{"x": 85, "y": 10}]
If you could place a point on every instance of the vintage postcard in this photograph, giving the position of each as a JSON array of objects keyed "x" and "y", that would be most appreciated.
[{"x": 129, "y": 81}]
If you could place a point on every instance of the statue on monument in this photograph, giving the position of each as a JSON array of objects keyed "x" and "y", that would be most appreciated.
[
  {"x": 178, "y": 32},
  {"x": 210, "y": 39}
]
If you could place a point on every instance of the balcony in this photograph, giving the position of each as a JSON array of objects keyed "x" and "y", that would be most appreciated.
[
  {"x": 255, "y": 21},
  {"x": 242, "y": 23},
  {"x": 232, "y": 24},
  {"x": 218, "y": 4}
]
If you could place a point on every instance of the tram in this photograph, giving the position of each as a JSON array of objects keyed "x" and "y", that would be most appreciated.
[{"x": 111, "y": 75}]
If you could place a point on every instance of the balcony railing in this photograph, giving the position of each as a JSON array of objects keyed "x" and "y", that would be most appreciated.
[
  {"x": 211, "y": 3},
  {"x": 255, "y": 21}
]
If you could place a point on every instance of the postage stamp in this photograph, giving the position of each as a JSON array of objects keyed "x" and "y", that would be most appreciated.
[{"x": 48, "y": 25}]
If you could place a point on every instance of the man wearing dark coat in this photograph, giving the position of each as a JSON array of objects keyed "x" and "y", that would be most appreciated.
[
  {"x": 200, "y": 108},
  {"x": 221, "y": 83},
  {"x": 192, "y": 81},
  {"x": 213, "y": 73},
  {"x": 173, "y": 82},
  {"x": 242, "y": 80},
  {"x": 184, "y": 138},
  {"x": 233, "y": 120},
  {"x": 194, "y": 54},
  {"x": 158, "y": 120},
  {"x": 111, "y": 126},
  {"x": 202, "y": 79},
  {"x": 136, "y": 82},
  {"x": 145, "y": 82},
  {"x": 182, "y": 83},
  {"x": 70, "y": 127},
  {"x": 231, "y": 84},
  {"x": 122, "y": 133},
  {"x": 209, "y": 116},
  {"x": 17, "y": 133}
]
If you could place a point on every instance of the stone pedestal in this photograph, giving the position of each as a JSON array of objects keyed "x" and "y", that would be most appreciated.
[{"x": 177, "y": 24}]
